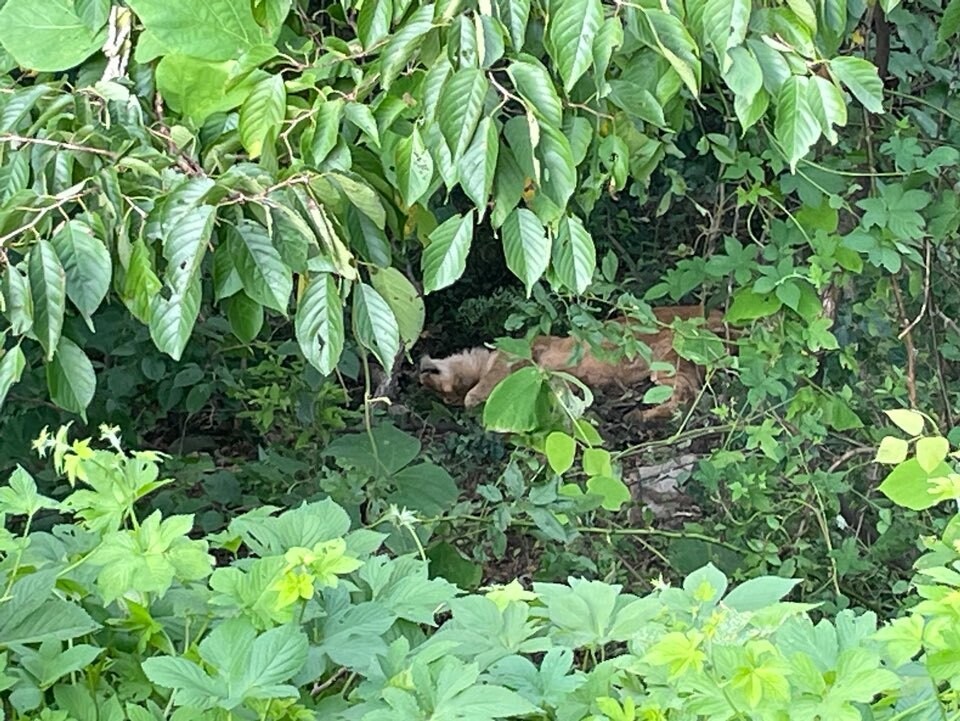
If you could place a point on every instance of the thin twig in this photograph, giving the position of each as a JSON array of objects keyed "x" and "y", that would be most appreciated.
[
  {"x": 907, "y": 338},
  {"x": 926, "y": 297},
  {"x": 19, "y": 139}
]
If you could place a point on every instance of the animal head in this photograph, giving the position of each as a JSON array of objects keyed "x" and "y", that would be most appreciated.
[{"x": 450, "y": 378}]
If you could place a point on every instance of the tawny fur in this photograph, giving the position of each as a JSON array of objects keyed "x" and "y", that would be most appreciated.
[{"x": 467, "y": 378}]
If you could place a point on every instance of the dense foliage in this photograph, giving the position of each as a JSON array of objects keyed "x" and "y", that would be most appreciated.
[{"x": 227, "y": 227}]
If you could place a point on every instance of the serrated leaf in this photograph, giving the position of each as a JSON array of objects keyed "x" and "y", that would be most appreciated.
[
  {"x": 87, "y": 266},
  {"x": 931, "y": 452},
  {"x": 796, "y": 127},
  {"x": 571, "y": 30},
  {"x": 262, "y": 113},
  {"x": 414, "y": 167},
  {"x": 70, "y": 378},
  {"x": 861, "y": 78},
  {"x": 560, "y": 449},
  {"x": 526, "y": 246},
  {"x": 574, "y": 255},
  {"x": 535, "y": 85},
  {"x": 404, "y": 301},
  {"x": 892, "y": 450},
  {"x": 48, "y": 292},
  {"x": 319, "y": 324},
  {"x": 460, "y": 107},
  {"x": 375, "y": 325},
  {"x": 245, "y": 316},
  {"x": 404, "y": 43},
  {"x": 478, "y": 166},
  {"x": 266, "y": 279},
  {"x": 373, "y": 22},
  {"x": 725, "y": 26},
  {"x": 909, "y": 421},
  {"x": 445, "y": 257},
  {"x": 828, "y": 106},
  {"x": 12, "y": 365}
]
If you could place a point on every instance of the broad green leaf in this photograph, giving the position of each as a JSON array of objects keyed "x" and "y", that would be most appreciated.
[
  {"x": 535, "y": 85},
  {"x": 910, "y": 486},
  {"x": 12, "y": 365},
  {"x": 479, "y": 164},
  {"x": 931, "y": 452},
  {"x": 514, "y": 403},
  {"x": 828, "y": 106},
  {"x": 666, "y": 34},
  {"x": 262, "y": 113},
  {"x": 609, "y": 39},
  {"x": 361, "y": 196},
  {"x": 806, "y": 14},
  {"x": 908, "y": 421},
  {"x": 199, "y": 88},
  {"x": 266, "y": 279},
  {"x": 404, "y": 43},
  {"x": 361, "y": 115},
  {"x": 744, "y": 75},
  {"x": 140, "y": 283},
  {"x": 892, "y": 450},
  {"x": 375, "y": 325},
  {"x": 404, "y": 301},
  {"x": 725, "y": 26},
  {"x": 226, "y": 279},
  {"x": 31, "y": 615},
  {"x": 87, "y": 266},
  {"x": 614, "y": 491},
  {"x": 373, "y": 22},
  {"x": 574, "y": 255},
  {"x": 245, "y": 316},
  {"x": 18, "y": 299},
  {"x": 775, "y": 67},
  {"x": 571, "y": 30},
  {"x": 47, "y": 36},
  {"x": 414, "y": 167},
  {"x": 833, "y": 25},
  {"x": 319, "y": 324},
  {"x": 949, "y": 21},
  {"x": 526, "y": 246},
  {"x": 559, "y": 172},
  {"x": 656, "y": 395},
  {"x": 560, "y": 449},
  {"x": 48, "y": 291},
  {"x": 748, "y": 305},
  {"x": 185, "y": 245},
  {"x": 445, "y": 257},
  {"x": 70, "y": 378},
  {"x": 172, "y": 319},
  {"x": 861, "y": 78},
  {"x": 597, "y": 462},
  {"x": 749, "y": 114},
  {"x": 758, "y": 593},
  {"x": 326, "y": 129},
  {"x": 460, "y": 108},
  {"x": 424, "y": 487},
  {"x": 514, "y": 14},
  {"x": 796, "y": 127}
]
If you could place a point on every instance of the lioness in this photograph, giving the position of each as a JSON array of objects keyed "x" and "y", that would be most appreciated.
[{"x": 467, "y": 378}]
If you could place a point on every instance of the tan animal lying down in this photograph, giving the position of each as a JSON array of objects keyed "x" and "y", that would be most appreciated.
[{"x": 467, "y": 378}]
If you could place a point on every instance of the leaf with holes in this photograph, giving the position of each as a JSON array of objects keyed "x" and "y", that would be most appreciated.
[
  {"x": 262, "y": 114},
  {"x": 414, "y": 167},
  {"x": 48, "y": 292},
  {"x": 185, "y": 245},
  {"x": 87, "y": 266},
  {"x": 796, "y": 127},
  {"x": 70, "y": 378},
  {"x": 574, "y": 254},
  {"x": 375, "y": 325},
  {"x": 266, "y": 279},
  {"x": 526, "y": 246},
  {"x": 404, "y": 301},
  {"x": 319, "y": 324},
  {"x": 571, "y": 30},
  {"x": 479, "y": 164},
  {"x": 445, "y": 257},
  {"x": 460, "y": 107},
  {"x": 861, "y": 78}
]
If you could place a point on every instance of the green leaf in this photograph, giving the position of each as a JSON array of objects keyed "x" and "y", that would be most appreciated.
[
  {"x": 949, "y": 21},
  {"x": 70, "y": 378},
  {"x": 758, "y": 593},
  {"x": 460, "y": 108},
  {"x": 744, "y": 76},
  {"x": 140, "y": 283},
  {"x": 665, "y": 33},
  {"x": 559, "y": 172},
  {"x": 479, "y": 164},
  {"x": 614, "y": 491},
  {"x": 404, "y": 43},
  {"x": 445, "y": 257},
  {"x": 245, "y": 316},
  {"x": 597, "y": 462},
  {"x": 199, "y": 88},
  {"x": 172, "y": 319},
  {"x": 424, "y": 487},
  {"x": 48, "y": 36},
  {"x": 828, "y": 106},
  {"x": 373, "y": 22},
  {"x": 861, "y": 78},
  {"x": 262, "y": 114},
  {"x": 87, "y": 266},
  {"x": 12, "y": 365},
  {"x": 574, "y": 255},
  {"x": 361, "y": 115},
  {"x": 48, "y": 290},
  {"x": 560, "y": 449},
  {"x": 657, "y": 394},
  {"x": 326, "y": 129},
  {"x": 535, "y": 85},
  {"x": 526, "y": 246},
  {"x": 19, "y": 301},
  {"x": 266, "y": 279},
  {"x": 513, "y": 404},
  {"x": 892, "y": 450},
  {"x": 725, "y": 26},
  {"x": 404, "y": 301},
  {"x": 910, "y": 422},
  {"x": 375, "y": 325},
  {"x": 319, "y": 324},
  {"x": 514, "y": 14},
  {"x": 796, "y": 127},
  {"x": 30, "y": 615},
  {"x": 571, "y": 30},
  {"x": 909, "y": 485},
  {"x": 931, "y": 452},
  {"x": 414, "y": 167}
]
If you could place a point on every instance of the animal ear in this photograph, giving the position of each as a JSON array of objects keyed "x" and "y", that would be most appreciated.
[{"x": 428, "y": 365}]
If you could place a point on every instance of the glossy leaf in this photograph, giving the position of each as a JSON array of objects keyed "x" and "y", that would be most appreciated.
[
  {"x": 70, "y": 378},
  {"x": 460, "y": 107},
  {"x": 414, "y": 167},
  {"x": 512, "y": 406},
  {"x": 571, "y": 30},
  {"x": 861, "y": 78},
  {"x": 526, "y": 246},
  {"x": 266, "y": 279},
  {"x": 262, "y": 113},
  {"x": 574, "y": 255},
  {"x": 375, "y": 325},
  {"x": 479, "y": 164},
  {"x": 535, "y": 85},
  {"x": 319, "y": 323},
  {"x": 404, "y": 301},
  {"x": 245, "y": 316},
  {"x": 48, "y": 292},
  {"x": 797, "y": 128},
  {"x": 445, "y": 257},
  {"x": 404, "y": 43},
  {"x": 48, "y": 36},
  {"x": 725, "y": 26},
  {"x": 87, "y": 266},
  {"x": 172, "y": 318}
]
